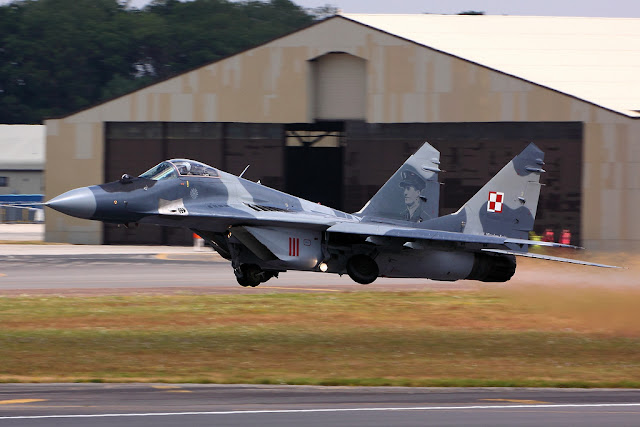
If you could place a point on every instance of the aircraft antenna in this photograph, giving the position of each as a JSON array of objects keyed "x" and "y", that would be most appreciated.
[{"x": 245, "y": 169}]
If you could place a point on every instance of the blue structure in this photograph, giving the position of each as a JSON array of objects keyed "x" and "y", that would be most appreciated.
[{"x": 21, "y": 208}]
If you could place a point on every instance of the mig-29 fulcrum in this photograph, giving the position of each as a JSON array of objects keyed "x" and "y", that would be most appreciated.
[{"x": 264, "y": 232}]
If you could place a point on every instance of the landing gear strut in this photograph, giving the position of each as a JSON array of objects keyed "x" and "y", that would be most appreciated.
[{"x": 252, "y": 275}]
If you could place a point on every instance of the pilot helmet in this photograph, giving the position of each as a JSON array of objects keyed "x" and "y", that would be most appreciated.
[{"x": 183, "y": 168}]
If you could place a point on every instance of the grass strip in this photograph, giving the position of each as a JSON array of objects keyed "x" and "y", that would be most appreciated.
[{"x": 404, "y": 339}]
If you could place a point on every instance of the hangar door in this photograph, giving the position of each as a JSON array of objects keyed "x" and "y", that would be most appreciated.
[
  {"x": 314, "y": 162},
  {"x": 339, "y": 87}
]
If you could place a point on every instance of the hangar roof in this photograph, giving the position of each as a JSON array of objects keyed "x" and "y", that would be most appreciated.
[
  {"x": 22, "y": 147},
  {"x": 594, "y": 59}
]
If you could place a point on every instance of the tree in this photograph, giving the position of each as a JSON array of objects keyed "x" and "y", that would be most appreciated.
[
  {"x": 323, "y": 12},
  {"x": 61, "y": 53},
  {"x": 59, "y": 56}
]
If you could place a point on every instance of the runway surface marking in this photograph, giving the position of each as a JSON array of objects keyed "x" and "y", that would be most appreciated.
[
  {"x": 171, "y": 389},
  {"x": 180, "y": 256},
  {"x": 110, "y": 281},
  {"x": 11, "y": 402},
  {"x": 64, "y": 282},
  {"x": 303, "y": 411},
  {"x": 2, "y": 275},
  {"x": 528, "y": 402},
  {"x": 300, "y": 289}
]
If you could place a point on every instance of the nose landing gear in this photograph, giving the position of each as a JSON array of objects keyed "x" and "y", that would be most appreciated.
[{"x": 251, "y": 275}]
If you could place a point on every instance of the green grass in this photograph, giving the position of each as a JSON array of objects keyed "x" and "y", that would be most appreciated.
[{"x": 366, "y": 338}]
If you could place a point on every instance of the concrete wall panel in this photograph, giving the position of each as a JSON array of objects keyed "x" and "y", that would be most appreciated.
[
  {"x": 22, "y": 182},
  {"x": 182, "y": 105}
]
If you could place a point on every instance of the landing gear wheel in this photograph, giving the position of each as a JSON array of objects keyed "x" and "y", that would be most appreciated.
[
  {"x": 251, "y": 275},
  {"x": 266, "y": 275},
  {"x": 362, "y": 269}
]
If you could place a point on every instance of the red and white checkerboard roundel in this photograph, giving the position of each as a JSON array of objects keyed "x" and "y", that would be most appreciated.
[{"x": 495, "y": 201}]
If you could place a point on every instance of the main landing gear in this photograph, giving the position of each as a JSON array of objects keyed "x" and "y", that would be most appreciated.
[
  {"x": 362, "y": 269},
  {"x": 252, "y": 275}
]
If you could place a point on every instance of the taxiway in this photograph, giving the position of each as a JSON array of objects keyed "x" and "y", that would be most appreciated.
[{"x": 240, "y": 405}]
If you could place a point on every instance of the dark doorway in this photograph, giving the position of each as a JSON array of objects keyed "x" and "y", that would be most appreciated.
[
  {"x": 313, "y": 162},
  {"x": 315, "y": 174}
]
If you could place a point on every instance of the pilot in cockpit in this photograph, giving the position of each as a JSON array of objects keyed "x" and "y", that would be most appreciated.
[{"x": 184, "y": 168}]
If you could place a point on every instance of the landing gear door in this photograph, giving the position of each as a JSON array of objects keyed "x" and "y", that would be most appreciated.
[{"x": 299, "y": 249}]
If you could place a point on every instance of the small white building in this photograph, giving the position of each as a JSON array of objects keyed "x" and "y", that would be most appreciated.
[{"x": 22, "y": 159}]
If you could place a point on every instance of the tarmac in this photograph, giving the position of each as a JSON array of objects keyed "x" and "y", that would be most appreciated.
[
  {"x": 21, "y": 232},
  {"x": 27, "y": 240},
  {"x": 15, "y": 234}
]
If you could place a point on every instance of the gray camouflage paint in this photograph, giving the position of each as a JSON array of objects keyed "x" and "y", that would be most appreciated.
[{"x": 249, "y": 223}]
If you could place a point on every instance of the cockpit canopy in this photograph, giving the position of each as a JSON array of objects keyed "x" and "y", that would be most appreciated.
[{"x": 179, "y": 167}]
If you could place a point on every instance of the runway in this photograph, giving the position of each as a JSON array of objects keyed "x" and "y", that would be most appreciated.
[
  {"x": 102, "y": 270},
  {"x": 236, "y": 405},
  {"x": 167, "y": 272}
]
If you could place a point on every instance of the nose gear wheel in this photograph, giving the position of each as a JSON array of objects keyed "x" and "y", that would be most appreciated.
[{"x": 251, "y": 275}]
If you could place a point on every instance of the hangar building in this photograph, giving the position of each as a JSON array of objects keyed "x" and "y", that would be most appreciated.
[
  {"x": 22, "y": 159},
  {"x": 329, "y": 112}
]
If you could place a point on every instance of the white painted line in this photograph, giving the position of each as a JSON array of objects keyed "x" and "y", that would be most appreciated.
[{"x": 302, "y": 411}]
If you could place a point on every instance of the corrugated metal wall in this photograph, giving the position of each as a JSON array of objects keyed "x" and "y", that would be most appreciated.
[{"x": 471, "y": 153}]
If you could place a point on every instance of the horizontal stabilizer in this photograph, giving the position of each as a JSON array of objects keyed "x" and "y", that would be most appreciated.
[
  {"x": 540, "y": 243},
  {"x": 549, "y": 258}
]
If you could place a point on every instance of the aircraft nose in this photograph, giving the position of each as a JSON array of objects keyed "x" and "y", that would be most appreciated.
[{"x": 80, "y": 203}]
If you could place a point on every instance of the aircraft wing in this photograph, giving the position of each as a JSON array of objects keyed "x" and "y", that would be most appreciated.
[
  {"x": 222, "y": 218},
  {"x": 386, "y": 230},
  {"x": 471, "y": 241}
]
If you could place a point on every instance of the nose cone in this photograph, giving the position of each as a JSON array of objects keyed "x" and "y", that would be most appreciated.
[{"x": 80, "y": 203}]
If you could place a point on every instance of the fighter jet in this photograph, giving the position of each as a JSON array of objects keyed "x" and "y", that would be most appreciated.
[{"x": 398, "y": 233}]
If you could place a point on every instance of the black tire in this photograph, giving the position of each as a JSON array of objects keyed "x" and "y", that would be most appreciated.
[
  {"x": 266, "y": 275},
  {"x": 242, "y": 281},
  {"x": 251, "y": 275},
  {"x": 362, "y": 269}
]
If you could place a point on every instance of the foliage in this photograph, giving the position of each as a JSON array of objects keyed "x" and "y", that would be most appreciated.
[
  {"x": 324, "y": 12},
  {"x": 59, "y": 56}
]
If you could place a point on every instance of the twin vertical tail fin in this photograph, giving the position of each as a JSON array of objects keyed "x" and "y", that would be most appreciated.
[
  {"x": 507, "y": 204},
  {"x": 412, "y": 193}
]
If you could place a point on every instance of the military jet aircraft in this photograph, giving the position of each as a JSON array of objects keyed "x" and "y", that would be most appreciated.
[{"x": 264, "y": 232}]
